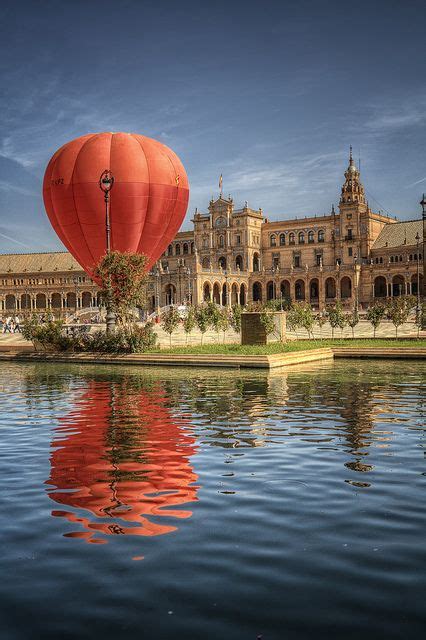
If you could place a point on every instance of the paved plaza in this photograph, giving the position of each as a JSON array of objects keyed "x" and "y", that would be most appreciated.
[{"x": 179, "y": 338}]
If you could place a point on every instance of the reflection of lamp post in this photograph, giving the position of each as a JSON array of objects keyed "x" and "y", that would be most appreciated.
[{"x": 106, "y": 182}]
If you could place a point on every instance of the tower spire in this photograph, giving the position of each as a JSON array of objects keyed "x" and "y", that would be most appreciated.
[{"x": 352, "y": 190}]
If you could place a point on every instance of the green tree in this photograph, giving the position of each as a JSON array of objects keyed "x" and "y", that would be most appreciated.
[
  {"x": 306, "y": 317},
  {"x": 170, "y": 320},
  {"x": 267, "y": 321},
  {"x": 122, "y": 279},
  {"x": 398, "y": 310},
  {"x": 215, "y": 317},
  {"x": 189, "y": 322},
  {"x": 202, "y": 318},
  {"x": 352, "y": 320},
  {"x": 235, "y": 318},
  {"x": 321, "y": 319},
  {"x": 420, "y": 318},
  {"x": 293, "y": 319},
  {"x": 375, "y": 315},
  {"x": 336, "y": 316},
  {"x": 224, "y": 322}
]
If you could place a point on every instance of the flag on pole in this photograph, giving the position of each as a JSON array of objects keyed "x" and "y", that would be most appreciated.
[{"x": 220, "y": 183}]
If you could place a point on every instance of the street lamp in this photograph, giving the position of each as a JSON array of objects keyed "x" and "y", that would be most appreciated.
[
  {"x": 106, "y": 182},
  {"x": 157, "y": 290},
  {"x": 188, "y": 273},
  {"x": 226, "y": 288},
  {"x": 75, "y": 281},
  {"x": 418, "y": 308}
]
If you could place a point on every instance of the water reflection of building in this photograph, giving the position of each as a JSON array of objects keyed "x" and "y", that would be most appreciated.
[{"x": 121, "y": 462}]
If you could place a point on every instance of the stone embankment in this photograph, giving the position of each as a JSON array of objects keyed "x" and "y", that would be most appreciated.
[{"x": 268, "y": 362}]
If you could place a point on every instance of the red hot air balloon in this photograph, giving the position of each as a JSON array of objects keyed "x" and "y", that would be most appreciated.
[{"x": 147, "y": 204}]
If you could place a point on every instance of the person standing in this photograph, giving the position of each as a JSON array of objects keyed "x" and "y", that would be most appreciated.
[{"x": 17, "y": 328}]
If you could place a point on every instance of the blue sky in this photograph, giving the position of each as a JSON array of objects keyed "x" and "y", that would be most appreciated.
[{"x": 271, "y": 94}]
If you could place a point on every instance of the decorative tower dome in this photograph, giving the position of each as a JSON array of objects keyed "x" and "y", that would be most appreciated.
[{"x": 352, "y": 190}]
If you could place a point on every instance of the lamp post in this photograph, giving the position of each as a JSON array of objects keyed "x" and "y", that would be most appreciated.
[
  {"x": 418, "y": 308},
  {"x": 188, "y": 273},
  {"x": 423, "y": 203},
  {"x": 75, "y": 281},
  {"x": 106, "y": 182},
  {"x": 26, "y": 301},
  {"x": 157, "y": 290},
  {"x": 226, "y": 289}
]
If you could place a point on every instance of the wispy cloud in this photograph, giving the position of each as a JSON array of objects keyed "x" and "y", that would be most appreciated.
[
  {"x": 413, "y": 184},
  {"x": 22, "y": 244}
]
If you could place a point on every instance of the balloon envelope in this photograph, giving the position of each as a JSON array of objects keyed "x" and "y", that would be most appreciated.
[{"x": 148, "y": 200}]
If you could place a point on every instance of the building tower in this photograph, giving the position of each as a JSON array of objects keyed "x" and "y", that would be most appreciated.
[{"x": 353, "y": 228}]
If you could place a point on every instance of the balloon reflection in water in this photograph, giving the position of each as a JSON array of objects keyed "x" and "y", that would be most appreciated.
[{"x": 122, "y": 456}]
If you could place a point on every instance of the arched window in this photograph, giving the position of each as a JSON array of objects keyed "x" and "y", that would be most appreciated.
[
  {"x": 301, "y": 238},
  {"x": 311, "y": 236},
  {"x": 178, "y": 249},
  {"x": 282, "y": 239},
  {"x": 221, "y": 241},
  {"x": 206, "y": 263},
  {"x": 391, "y": 258},
  {"x": 321, "y": 235},
  {"x": 185, "y": 249},
  {"x": 256, "y": 262},
  {"x": 192, "y": 247},
  {"x": 291, "y": 238},
  {"x": 273, "y": 241},
  {"x": 222, "y": 262},
  {"x": 170, "y": 250},
  {"x": 239, "y": 262}
]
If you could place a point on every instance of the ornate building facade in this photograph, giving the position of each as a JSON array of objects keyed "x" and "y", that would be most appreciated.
[{"x": 236, "y": 256}]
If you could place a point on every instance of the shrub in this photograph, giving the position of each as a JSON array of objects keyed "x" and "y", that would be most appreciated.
[{"x": 47, "y": 334}]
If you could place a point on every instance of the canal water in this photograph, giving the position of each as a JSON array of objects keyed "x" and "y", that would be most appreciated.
[{"x": 158, "y": 503}]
